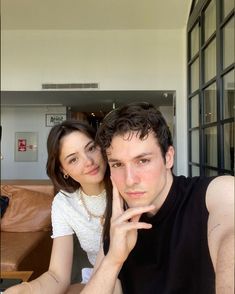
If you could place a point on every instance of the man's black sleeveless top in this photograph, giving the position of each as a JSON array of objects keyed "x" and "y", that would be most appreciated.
[{"x": 173, "y": 256}]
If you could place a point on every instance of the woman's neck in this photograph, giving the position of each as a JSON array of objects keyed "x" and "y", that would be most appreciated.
[{"x": 93, "y": 189}]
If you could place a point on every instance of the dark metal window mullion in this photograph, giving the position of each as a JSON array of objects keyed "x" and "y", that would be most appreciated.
[
  {"x": 188, "y": 92},
  {"x": 201, "y": 96},
  {"x": 219, "y": 96}
]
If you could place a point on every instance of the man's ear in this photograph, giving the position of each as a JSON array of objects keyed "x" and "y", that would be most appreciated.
[{"x": 170, "y": 157}]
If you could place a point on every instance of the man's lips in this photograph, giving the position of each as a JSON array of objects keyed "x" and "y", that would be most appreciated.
[{"x": 135, "y": 194}]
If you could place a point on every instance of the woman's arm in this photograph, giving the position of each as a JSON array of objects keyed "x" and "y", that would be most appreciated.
[{"x": 57, "y": 278}]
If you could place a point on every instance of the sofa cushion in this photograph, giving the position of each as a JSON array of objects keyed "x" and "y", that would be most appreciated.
[
  {"x": 15, "y": 247},
  {"x": 28, "y": 210}
]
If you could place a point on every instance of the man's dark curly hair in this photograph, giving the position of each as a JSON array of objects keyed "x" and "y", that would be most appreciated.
[{"x": 140, "y": 117}]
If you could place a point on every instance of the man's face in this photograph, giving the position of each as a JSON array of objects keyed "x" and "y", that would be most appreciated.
[{"x": 139, "y": 170}]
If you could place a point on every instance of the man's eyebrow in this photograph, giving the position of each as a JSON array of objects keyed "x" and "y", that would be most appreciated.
[
  {"x": 134, "y": 158},
  {"x": 112, "y": 160}
]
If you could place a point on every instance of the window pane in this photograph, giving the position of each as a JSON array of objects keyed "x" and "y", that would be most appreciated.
[
  {"x": 229, "y": 95},
  {"x": 210, "y": 61},
  {"x": 194, "y": 41},
  {"x": 195, "y": 76},
  {"x": 210, "y": 105},
  {"x": 228, "y": 5},
  {"x": 229, "y": 130},
  {"x": 228, "y": 43},
  {"x": 195, "y": 3},
  {"x": 210, "y": 138},
  {"x": 195, "y": 171},
  {"x": 195, "y": 146},
  {"x": 210, "y": 172},
  {"x": 210, "y": 20},
  {"x": 194, "y": 106}
]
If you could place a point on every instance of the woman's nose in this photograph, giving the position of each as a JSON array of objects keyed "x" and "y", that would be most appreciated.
[{"x": 88, "y": 160}]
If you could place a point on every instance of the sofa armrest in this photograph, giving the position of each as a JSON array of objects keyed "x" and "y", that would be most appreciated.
[{"x": 28, "y": 210}]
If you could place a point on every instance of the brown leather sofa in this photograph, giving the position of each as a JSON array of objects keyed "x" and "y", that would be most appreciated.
[
  {"x": 26, "y": 229},
  {"x": 26, "y": 226}
]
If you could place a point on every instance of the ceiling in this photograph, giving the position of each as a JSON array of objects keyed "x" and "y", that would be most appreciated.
[
  {"x": 85, "y": 101},
  {"x": 91, "y": 15},
  {"x": 94, "y": 14}
]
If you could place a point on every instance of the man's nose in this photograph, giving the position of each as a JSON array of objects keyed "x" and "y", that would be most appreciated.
[{"x": 132, "y": 177}]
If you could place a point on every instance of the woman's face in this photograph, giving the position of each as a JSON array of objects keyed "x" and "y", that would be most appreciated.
[{"x": 81, "y": 160}]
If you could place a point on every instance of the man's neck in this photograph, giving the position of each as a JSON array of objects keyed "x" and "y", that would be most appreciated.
[{"x": 158, "y": 202}]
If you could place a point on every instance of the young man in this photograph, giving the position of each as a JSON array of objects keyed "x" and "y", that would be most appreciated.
[{"x": 167, "y": 234}]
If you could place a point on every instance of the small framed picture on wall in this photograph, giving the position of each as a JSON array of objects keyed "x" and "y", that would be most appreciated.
[
  {"x": 26, "y": 146},
  {"x": 54, "y": 119}
]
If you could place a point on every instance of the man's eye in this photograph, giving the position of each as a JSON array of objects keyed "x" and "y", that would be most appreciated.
[
  {"x": 115, "y": 165},
  {"x": 143, "y": 161}
]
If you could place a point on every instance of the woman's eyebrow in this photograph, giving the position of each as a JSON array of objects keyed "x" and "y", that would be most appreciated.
[
  {"x": 88, "y": 144},
  {"x": 75, "y": 153},
  {"x": 72, "y": 154}
]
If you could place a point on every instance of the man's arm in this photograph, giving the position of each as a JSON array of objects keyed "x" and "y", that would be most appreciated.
[
  {"x": 220, "y": 204},
  {"x": 104, "y": 280},
  {"x": 101, "y": 281}
]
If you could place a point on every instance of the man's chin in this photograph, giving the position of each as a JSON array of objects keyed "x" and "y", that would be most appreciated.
[{"x": 135, "y": 203}]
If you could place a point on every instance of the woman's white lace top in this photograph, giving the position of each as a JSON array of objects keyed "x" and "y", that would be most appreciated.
[{"x": 69, "y": 216}]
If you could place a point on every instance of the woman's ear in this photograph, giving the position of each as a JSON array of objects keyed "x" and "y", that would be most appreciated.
[
  {"x": 170, "y": 157},
  {"x": 63, "y": 171}
]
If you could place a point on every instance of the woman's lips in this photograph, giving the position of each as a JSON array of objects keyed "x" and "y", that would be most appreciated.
[{"x": 93, "y": 172}]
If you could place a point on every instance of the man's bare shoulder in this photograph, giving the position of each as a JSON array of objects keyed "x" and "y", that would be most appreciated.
[
  {"x": 220, "y": 192},
  {"x": 220, "y": 205}
]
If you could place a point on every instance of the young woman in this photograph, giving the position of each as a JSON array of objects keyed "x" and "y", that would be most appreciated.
[{"x": 78, "y": 171}]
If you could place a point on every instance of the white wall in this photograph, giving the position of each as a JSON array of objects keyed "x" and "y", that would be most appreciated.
[
  {"x": 117, "y": 60},
  {"x": 24, "y": 119}
]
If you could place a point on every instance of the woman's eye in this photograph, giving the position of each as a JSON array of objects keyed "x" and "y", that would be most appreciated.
[
  {"x": 73, "y": 160},
  {"x": 92, "y": 148}
]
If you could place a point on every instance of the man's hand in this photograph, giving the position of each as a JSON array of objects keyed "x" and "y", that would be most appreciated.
[
  {"x": 123, "y": 236},
  {"x": 124, "y": 228}
]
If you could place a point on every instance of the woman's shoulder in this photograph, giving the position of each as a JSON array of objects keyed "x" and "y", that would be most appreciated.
[{"x": 63, "y": 197}]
